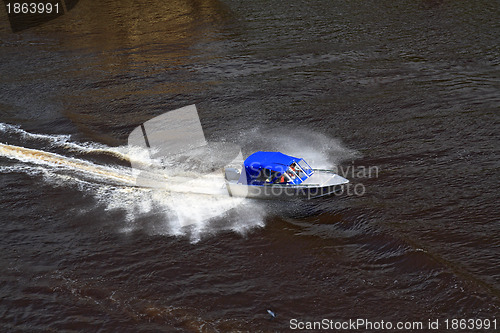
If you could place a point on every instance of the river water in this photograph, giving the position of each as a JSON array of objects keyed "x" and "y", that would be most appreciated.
[{"x": 402, "y": 98}]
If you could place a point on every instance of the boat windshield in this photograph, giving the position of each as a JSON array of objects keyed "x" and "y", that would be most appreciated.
[
  {"x": 306, "y": 168},
  {"x": 298, "y": 172}
]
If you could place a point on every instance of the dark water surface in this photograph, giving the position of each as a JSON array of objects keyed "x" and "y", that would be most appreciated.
[{"x": 409, "y": 87}]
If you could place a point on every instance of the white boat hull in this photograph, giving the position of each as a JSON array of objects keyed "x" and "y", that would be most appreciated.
[{"x": 322, "y": 183}]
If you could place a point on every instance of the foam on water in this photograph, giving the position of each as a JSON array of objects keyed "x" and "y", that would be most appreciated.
[
  {"x": 178, "y": 207},
  {"x": 179, "y": 204},
  {"x": 64, "y": 141}
]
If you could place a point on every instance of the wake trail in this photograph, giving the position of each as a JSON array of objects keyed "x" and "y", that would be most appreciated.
[
  {"x": 178, "y": 204},
  {"x": 64, "y": 141},
  {"x": 172, "y": 199},
  {"x": 53, "y": 160}
]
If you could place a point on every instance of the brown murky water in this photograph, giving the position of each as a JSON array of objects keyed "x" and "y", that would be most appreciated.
[{"x": 410, "y": 88}]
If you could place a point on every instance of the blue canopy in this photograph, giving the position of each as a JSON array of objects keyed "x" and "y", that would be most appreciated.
[{"x": 255, "y": 164}]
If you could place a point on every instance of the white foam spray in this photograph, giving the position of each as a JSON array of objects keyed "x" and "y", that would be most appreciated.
[
  {"x": 319, "y": 150},
  {"x": 191, "y": 209}
]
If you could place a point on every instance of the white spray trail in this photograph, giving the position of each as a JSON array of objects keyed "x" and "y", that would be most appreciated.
[
  {"x": 185, "y": 208},
  {"x": 181, "y": 205},
  {"x": 48, "y": 159}
]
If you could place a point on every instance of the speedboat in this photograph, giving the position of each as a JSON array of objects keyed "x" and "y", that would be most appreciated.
[{"x": 274, "y": 175}]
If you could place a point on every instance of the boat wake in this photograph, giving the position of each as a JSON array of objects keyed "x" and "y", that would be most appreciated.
[
  {"x": 179, "y": 208},
  {"x": 178, "y": 205}
]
